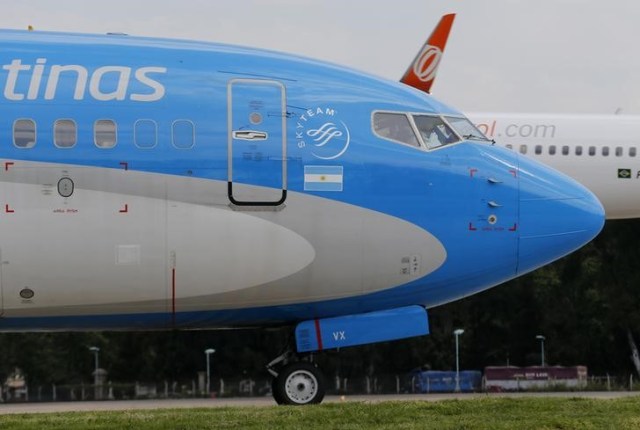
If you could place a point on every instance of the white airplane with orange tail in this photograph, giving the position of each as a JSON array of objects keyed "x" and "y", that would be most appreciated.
[{"x": 600, "y": 151}]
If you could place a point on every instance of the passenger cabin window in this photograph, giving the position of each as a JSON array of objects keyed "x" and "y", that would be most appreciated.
[
  {"x": 578, "y": 150},
  {"x": 552, "y": 150},
  {"x": 105, "y": 133},
  {"x": 605, "y": 151},
  {"x": 145, "y": 133},
  {"x": 24, "y": 133},
  {"x": 434, "y": 131},
  {"x": 523, "y": 149},
  {"x": 632, "y": 152},
  {"x": 396, "y": 127},
  {"x": 65, "y": 133},
  {"x": 565, "y": 150},
  {"x": 619, "y": 151},
  {"x": 538, "y": 149},
  {"x": 592, "y": 150},
  {"x": 183, "y": 134}
]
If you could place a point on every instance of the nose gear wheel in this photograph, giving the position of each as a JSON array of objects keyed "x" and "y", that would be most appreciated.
[{"x": 299, "y": 383}]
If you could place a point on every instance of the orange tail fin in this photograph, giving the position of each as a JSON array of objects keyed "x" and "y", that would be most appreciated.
[{"x": 422, "y": 71}]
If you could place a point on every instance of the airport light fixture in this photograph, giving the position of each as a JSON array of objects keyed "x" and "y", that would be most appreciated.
[
  {"x": 457, "y": 334},
  {"x": 541, "y": 338},
  {"x": 208, "y": 353}
]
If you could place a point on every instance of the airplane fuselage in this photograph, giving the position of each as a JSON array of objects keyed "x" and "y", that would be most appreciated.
[{"x": 153, "y": 183}]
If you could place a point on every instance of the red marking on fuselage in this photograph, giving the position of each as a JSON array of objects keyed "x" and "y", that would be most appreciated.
[
  {"x": 514, "y": 173},
  {"x": 8, "y": 164},
  {"x": 514, "y": 228},
  {"x": 318, "y": 334},
  {"x": 8, "y": 210},
  {"x": 471, "y": 227},
  {"x": 472, "y": 172},
  {"x": 125, "y": 209}
]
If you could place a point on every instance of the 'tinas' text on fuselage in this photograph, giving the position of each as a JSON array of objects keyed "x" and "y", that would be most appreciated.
[{"x": 25, "y": 81}]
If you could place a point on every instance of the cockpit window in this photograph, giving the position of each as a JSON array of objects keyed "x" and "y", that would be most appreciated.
[
  {"x": 435, "y": 132},
  {"x": 465, "y": 128},
  {"x": 395, "y": 126}
]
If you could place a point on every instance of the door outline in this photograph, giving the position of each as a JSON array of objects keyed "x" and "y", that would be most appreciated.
[{"x": 231, "y": 135}]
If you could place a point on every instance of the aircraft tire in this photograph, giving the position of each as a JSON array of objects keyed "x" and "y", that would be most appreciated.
[
  {"x": 300, "y": 384},
  {"x": 276, "y": 392}
]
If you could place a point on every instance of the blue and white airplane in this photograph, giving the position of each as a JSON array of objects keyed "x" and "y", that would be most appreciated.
[{"x": 156, "y": 184}]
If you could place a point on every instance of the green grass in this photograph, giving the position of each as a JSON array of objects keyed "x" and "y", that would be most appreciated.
[{"x": 487, "y": 413}]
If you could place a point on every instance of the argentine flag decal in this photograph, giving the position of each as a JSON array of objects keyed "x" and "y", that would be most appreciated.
[{"x": 323, "y": 178}]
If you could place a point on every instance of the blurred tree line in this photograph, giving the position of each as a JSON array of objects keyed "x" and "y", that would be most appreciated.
[{"x": 586, "y": 305}]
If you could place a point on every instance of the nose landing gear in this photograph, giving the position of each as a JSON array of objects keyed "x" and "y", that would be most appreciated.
[
  {"x": 296, "y": 383},
  {"x": 299, "y": 381}
]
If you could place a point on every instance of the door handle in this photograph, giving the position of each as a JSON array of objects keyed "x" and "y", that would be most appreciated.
[{"x": 250, "y": 135}]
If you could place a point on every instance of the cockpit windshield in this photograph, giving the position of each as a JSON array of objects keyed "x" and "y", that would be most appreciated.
[
  {"x": 434, "y": 131},
  {"x": 424, "y": 130},
  {"x": 395, "y": 126},
  {"x": 465, "y": 128}
]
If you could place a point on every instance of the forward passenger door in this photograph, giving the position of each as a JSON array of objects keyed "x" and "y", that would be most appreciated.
[{"x": 257, "y": 142}]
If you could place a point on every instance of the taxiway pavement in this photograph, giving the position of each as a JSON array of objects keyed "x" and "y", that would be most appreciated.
[{"x": 122, "y": 405}]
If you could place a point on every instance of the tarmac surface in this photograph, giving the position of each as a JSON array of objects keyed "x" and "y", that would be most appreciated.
[{"x": 122, "y": 405}]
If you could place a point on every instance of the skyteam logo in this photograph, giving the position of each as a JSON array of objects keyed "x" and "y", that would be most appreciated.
[
  {"x": 324, "y": 134},
  {"x": 320, "y": 129},
  {"x": 427, "y": 63}
]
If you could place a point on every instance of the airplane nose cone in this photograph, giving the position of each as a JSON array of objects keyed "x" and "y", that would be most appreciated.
[{"x": 557, "y": 215}]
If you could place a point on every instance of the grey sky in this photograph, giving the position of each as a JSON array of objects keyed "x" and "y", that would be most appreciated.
[{"x": 503, "y": 55}]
